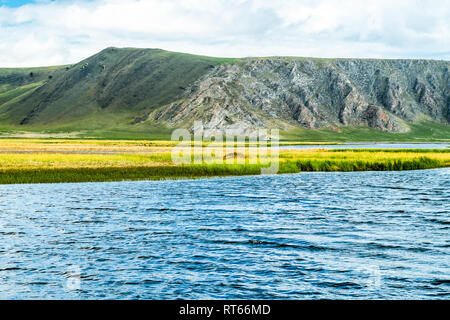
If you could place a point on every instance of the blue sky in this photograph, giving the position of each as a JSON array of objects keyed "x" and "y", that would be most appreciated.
[
  {"x": 14, "y": 3},
  {"x": 19, "y": 3},
  {"x": 45, "y": 32}
]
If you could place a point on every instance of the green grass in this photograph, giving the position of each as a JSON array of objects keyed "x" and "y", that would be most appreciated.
[
  {"x": 59, "y": 175},
  {"x": 351, "y": 165},
  {"x": 423, "y": 131},
  {"x": 94, "y": 128},
  {"x": 8, "y": 96},
  {"x": 6, "y": 71},
  {"x": 123, "y": 173},
  {"x": 39, "y": 166},
  {"x": 104, "y": 95}
]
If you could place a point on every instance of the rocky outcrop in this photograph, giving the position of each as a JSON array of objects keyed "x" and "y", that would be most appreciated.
[
  {"x": 314, "y": 93},
  {"x": 153, "y": 88}
]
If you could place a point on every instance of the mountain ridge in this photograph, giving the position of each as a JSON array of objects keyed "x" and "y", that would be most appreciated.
[{"x": 153, "y": 88}]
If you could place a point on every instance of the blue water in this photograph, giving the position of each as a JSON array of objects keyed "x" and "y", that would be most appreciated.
[
  {"x": 302, "y": 236},
  {"x": 373, "y": 146}
]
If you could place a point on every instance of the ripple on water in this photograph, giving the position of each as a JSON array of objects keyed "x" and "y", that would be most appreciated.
[{"x": 303, "y": 236}]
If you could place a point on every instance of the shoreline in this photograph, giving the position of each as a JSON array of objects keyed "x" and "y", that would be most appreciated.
[
  {"x": 181, "y": 178},
  {"x": 171, "y": 172},
  {"x": 49, "y": 161}
]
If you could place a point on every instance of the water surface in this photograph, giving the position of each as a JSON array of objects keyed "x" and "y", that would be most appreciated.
[{"x": 351, "y": 235}]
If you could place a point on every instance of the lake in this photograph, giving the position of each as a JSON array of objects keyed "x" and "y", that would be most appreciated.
[{"x": 357, "y": 235}]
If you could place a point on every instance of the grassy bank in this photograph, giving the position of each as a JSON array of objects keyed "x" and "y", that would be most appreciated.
[
  {"x": 22, "y": 163},
  {"x": 102, "y": 174}
]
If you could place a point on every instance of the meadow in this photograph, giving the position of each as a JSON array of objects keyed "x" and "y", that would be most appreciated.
[{"x": 53, "y": 161}]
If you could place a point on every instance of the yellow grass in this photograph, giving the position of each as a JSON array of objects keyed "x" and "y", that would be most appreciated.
[
  {"x": 58, "y": 160},
  {"x": 23, "y": 161}
]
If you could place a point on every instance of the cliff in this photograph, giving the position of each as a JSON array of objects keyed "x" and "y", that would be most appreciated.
[{"x": 151, "y": 87}]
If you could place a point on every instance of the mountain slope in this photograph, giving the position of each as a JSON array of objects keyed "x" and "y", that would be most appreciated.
[
  {"x": 140, "y": 90},
  {"x": 317, "y": 93},
  {"x": 120, "y": 83}
]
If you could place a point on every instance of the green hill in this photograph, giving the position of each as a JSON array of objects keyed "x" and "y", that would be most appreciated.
[
  {"x": 145, "y": 93},
  {"x": 108, "y": 90}
]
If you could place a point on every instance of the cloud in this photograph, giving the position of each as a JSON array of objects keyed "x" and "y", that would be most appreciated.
[{"x": 58, "y": 32}]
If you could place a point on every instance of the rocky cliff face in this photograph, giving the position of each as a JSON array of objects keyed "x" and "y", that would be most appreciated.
[
  {"x": 314, "y": 93},
  {"x": 147, "y": 88}
]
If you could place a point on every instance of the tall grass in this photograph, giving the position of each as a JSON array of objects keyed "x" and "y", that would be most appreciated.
[
  {"x": 48, "y": 175},
  {"x": 90, "y": 174},
  {"x": 358, "y": 165},
  {"x": 56, "y": 167}
]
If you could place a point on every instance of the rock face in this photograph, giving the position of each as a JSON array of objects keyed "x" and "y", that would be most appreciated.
[
  {"x": 314, "y": 93},
  {"x": 150, "y": 88}
]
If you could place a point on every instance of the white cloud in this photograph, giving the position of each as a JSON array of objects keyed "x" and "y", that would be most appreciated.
[{"x": 67, "y": 31}]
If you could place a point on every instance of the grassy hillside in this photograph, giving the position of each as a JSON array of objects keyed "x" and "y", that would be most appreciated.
[
  {"x": 115, "y": 87},
  {"x": 109, "y": 94},
  {"x": 422, "y": 131}
]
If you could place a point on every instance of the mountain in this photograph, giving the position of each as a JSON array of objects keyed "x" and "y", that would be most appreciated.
[{"x": 146, "y": 92}]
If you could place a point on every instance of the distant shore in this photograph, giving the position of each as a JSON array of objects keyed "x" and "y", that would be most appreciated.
[{"x": 53, "y": 161}]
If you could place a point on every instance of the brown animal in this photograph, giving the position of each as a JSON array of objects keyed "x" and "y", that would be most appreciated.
[{"x": 233, "y": 155}]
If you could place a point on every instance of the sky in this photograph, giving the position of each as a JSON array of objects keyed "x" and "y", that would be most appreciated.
[{"x": 54, "y": 32}]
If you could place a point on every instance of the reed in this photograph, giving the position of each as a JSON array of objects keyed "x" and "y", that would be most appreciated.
[
  {"x": 154, "y": 164},
  {"x": 58, "y": 175}
]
